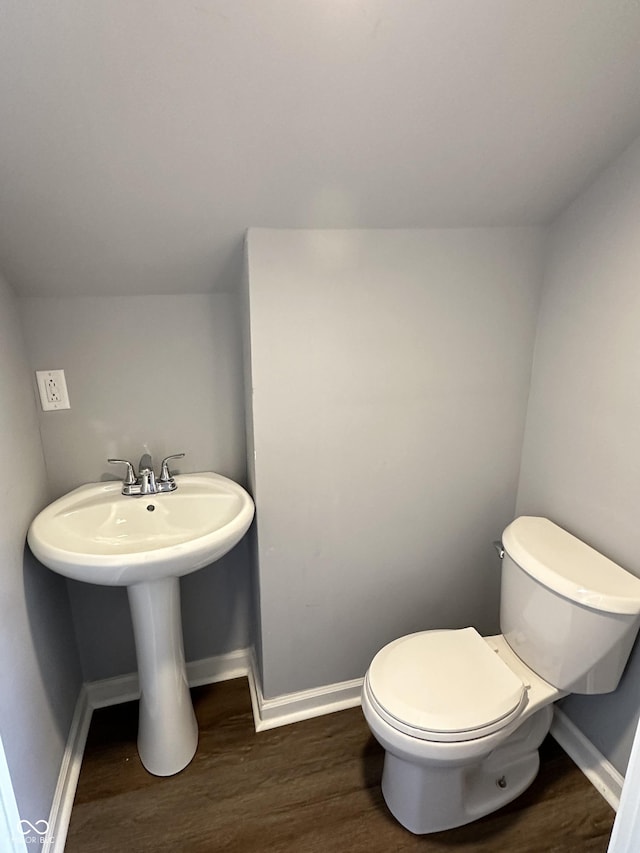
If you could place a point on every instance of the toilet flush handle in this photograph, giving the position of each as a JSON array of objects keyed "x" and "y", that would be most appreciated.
[{"x": 499, "y": 548}]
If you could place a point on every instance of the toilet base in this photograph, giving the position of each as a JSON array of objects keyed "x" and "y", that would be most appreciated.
[{"x": 428, "y": 798}]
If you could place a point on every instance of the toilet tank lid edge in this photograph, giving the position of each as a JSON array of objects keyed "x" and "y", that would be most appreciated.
[{"x": 570, "y": 567}]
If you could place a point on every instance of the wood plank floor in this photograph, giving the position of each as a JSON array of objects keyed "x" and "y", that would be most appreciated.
[{"x": 311, "y": 787}]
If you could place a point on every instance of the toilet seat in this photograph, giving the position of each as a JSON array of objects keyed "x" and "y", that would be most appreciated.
[{"x": 444, "y": 686}]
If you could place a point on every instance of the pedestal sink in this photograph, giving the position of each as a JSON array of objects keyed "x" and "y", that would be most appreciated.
[{"x": 97, "y": 535}]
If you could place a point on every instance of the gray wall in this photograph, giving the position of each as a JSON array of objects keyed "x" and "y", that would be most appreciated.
[
  {"x": 161, "y": 373},
  {"x": 39, "y": 667},
  {"x": 581, "y": 458},
  {"x": 140, "y": 139},
  {"x": 389, "y": 382}
]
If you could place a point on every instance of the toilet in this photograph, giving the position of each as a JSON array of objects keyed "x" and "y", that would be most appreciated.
[{"x": 461, "y": 716}]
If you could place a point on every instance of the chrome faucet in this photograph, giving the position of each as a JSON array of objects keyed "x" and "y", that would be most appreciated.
[
  {"x": 146, "y": 476},
  {"x": 145, "y": 482}
]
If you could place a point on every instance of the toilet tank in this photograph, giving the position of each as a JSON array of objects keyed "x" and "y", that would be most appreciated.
[{"x": 567, "y": 611}]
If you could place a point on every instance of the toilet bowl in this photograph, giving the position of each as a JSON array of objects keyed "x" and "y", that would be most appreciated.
[
  {"x": 461, "y": 717},
  {"x": 436, "y": 779}
]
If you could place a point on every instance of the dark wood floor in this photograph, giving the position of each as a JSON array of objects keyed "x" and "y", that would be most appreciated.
[{"x": 311, "y": 787}]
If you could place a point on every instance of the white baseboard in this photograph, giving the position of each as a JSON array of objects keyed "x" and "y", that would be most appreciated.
[
  {"x": 125, "y": 688},
  {"x": 294, "y": 707},
  {"x": 60, "y": 813},
  {"x": 112, "y": 691},
  {"x": 598, "y": 770},
  {"x": 218, "y": 668}
]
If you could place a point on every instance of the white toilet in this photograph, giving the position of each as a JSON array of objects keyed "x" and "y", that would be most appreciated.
[{"x": 461, "y": 717}]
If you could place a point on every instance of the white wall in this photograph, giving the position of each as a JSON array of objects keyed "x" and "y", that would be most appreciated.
[
  {"x": 581, "y": 457},
  {"x": 39, "y": 666},
  {"x": 389, "y": 381},
  {"x": 161, "y": 373}
]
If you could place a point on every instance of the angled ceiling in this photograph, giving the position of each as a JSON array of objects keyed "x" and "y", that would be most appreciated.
[{"x": 140, "y": 139}]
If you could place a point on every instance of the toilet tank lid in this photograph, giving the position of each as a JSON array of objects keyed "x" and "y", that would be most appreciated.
[{"x": 570, "y": 567}]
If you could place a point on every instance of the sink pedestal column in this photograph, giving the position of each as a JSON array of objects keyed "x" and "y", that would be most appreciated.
[{"x": 167, "y": 728}]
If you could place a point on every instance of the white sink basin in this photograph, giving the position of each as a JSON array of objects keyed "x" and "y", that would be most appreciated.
[{"x": 96, "y": 534}]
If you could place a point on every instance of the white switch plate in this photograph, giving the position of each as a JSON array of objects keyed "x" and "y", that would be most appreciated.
[{"x": 53, "y": 390}]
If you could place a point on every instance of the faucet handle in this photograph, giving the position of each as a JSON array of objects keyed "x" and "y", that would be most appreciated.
[
  {"x": 130, "y": 477},
  {"x": 165, "y": 476}
]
